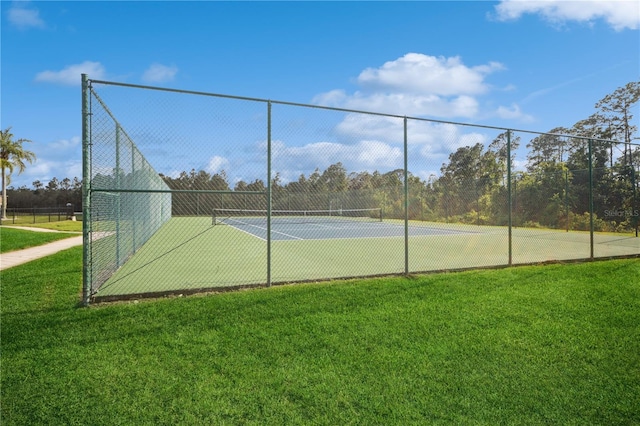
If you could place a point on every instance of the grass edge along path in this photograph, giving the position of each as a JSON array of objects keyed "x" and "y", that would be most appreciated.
[
  {"x": 18, "y": 239},
  {"x": 555, "y": 344},
  {"x": 63, "y": 225}
]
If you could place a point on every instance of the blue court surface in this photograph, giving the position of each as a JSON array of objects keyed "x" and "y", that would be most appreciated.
[{"x": 335, "y": 229}]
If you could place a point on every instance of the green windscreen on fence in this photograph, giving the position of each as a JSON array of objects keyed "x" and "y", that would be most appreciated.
[
  {"x": 188, "y": 192},
  {"x": 129, "y": 201}
]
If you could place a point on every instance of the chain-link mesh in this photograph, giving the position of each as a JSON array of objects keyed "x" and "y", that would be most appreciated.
[
  {"x": 194, "y": 191},
  {"x": 129, "y": 200}
]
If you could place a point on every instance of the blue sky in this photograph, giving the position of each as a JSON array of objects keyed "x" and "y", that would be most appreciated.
[{"x": 515, "y": 64}]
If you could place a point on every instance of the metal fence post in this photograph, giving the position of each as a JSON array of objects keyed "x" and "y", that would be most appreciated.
[
  {"x": 406, "y": 202},
  {"x": 86, "y": 197},
  {"x": 634, "y": 204},
  {"x": 133, "y": 213},
  {"x": 590, "y": 199},
  {"x": 566, "y": 196},
  {"x": 510, "y": 220},
  {"x": 269, "y": 194},
  {"x": 118, "y": 195}
]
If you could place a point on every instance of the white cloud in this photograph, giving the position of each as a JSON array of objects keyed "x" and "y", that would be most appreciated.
[
  {"x": 417, "y": 85},
  {"x": 158, "y": 73},
  {"x": 60, "y": 159},
  {"x": 70, "y": 76},
  {"x": 331, "y": 98},
  {"x": 619, "y": 14},
  {"x": 418, "y": 73},
  {"x": 66, "y": 144},
  {"x": 427, "y": 138},
  {"x": 365, "y": 126},
  {"x": 363, "y": 155},
  {"x": 414, "y": 105},
  {"x": 216, "y": 164},
  {"x": 24, "y": 17},
  {"x": 371, "y": 154},
  {"x": 376, "y": 143},
  {"x": 46, "y": 169},
  {"x": 512, "y": 113},
  {"x": 414, "y": 85}
]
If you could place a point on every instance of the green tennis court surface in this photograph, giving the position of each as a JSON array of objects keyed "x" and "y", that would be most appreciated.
[{"x": 186, "y": 249}]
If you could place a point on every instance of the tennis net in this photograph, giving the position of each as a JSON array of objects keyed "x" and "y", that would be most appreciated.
[{"x": 259, "y": 217}]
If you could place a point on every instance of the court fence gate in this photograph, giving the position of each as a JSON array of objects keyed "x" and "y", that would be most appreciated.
[{"x": 188, "y": 191}]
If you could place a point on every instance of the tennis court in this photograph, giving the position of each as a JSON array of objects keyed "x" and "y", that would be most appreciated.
[
  {"x": 195, "y": 253},
  {"x": 188, "y": 224},
  {"x": 323, "y": 225}
]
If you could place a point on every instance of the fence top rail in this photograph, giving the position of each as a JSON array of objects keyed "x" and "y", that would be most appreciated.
[
  {"x": 355, "y": 111},
  {"x": 175, "y": 191}
]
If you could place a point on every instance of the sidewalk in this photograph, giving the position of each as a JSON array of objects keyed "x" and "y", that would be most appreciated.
[
  {"x": 18, "y": 257},
  {"x": 34, "y": 229}
]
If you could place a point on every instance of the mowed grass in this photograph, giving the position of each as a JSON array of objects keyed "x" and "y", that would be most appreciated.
[
  {"x": 17, "y": 239},
  {"x": 64, "y": 225},
  {"x": 555, "y": 344},
  {"x": 40, "y": 220}
]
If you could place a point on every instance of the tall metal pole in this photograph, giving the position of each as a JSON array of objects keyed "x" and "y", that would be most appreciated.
[
  {"x": 510, "y": 237},
  {"x": 566, "y": 196},
  {"x": 634, "y": 201},
  {"x": 406, "y": 202},
  {"x": 86, "y": 191},
  {"x": 590, "y": 199},
  {"x": 118, "y": 186},
  {"x": 269, "y": 194},
  {"x": 133, "y": 211},
  {"x": 634, "y": 209}
]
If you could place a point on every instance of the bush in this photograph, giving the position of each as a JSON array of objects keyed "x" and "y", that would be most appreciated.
[{"x": 583, "y": 223}]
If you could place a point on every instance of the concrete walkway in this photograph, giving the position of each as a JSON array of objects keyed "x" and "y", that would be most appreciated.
[
  {"x": 18, "y": 257},
  {"x": 34, "y": 229}
]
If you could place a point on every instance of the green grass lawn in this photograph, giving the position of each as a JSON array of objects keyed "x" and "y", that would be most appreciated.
[
  {"x": 555, "y": 344},
  {"x": 63, "y": 225},
  {"x": 38, "y": 220},
  {"x": 17, "y": 239}
]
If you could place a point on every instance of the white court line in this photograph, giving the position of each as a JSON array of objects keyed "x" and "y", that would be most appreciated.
[
  {"x": 264, "y": 229},
  {"x": 242, "y": 230},
  {"x": 375, "y": 225}
]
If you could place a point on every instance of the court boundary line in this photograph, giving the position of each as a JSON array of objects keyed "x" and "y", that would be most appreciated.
[
  {"x": 440, "y": 232},
  {"x": 264, "y": 229}
]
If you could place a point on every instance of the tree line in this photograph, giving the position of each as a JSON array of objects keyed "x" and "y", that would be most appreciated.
[
  {"x": 55, "y": 193},
  {"x": 553, "y": 190}
]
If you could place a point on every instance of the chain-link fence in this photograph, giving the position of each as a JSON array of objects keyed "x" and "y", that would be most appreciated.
[{"x": 189, "y": 191}]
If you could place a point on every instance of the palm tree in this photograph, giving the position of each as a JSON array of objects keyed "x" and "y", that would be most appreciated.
[{"x": 12, "y": 155}]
